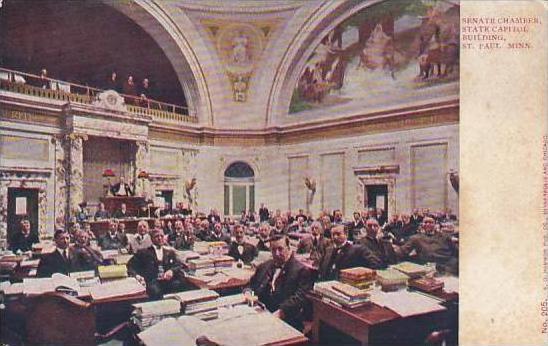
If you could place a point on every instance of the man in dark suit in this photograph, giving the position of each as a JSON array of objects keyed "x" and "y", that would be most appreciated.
[
  {"x": 157, "y": 266},
  {"x": 83, "y": 257},
  {"x": 408, "y": 229},
  {"x": 263, "y": 213},
  {"x": 23, "y": 240},
  {"x": 239, "y": 248},
  {"x": 111, "y": 240},
  {"x": 282, "y": 282},
  {"x": 218, "y": 234},
  {"x": 264, "y": 237},
  {"x": 57, "y": 261},
  {"x": 377, "y": 244},
  {"x": 121, "y": 213},
  {"x": 341, "y": 255},
  {"x": 315, "y": 244},
  {"x": 184, "y": 238},
  {"x": 121, "y": 188},
  {"x": 432, "y": 246},
  {"x": 101, "y": 212}
]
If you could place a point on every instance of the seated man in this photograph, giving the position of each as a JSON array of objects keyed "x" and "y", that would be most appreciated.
[
  {"x": 282, "y": 282},
  {"x": 341, "y": 254},
  {"x": 185, "y": 238},
  {"x": 406, "y": 231},
  {"x": 218, "y": 234},
  {"x": 23, "y": 240},
  {"x": 121, "y": 213},
  {"x": 141, "y": 240},
  {"x": 379, "y": 246},
  {"x": 239, "y": 248},
  {"x": 83, "y": 257},
  {"x": 316, "y": 244},
  {"x": 57, "y": 261},
  {"x": 157, "y": 266},
  {"x": 82, "y": 214},
  {"x": 432, "y": 246},
  {"x": 101, "y": 212},
  {"x": 121, "y": 188},
  {"x": 279, "y": 226},
  {"x": 264, "y": 237},
  {"x": 298, "y": 226},
  {"x": 111, "y": 240}
]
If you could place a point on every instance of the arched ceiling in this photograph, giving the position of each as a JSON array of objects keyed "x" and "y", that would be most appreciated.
[{"x": 236, "y": 63}]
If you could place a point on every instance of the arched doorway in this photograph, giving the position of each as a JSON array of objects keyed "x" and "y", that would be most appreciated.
[{"x": 239, "y": 188}]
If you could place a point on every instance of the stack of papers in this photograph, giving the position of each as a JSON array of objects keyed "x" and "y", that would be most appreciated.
[
  {"x": 243, "y": 329},
  {"x": 342, "y": 294},
  {"x": 150, "y": 313},
  {"x": 406, "y": 303},
  {"x": 199, "y": 303},
  {"x": 112, "y": 272},
  {"x": 118, "y": 288}
]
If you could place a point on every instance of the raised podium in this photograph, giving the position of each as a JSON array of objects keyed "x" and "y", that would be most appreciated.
[{"x": 113, "y": 203}]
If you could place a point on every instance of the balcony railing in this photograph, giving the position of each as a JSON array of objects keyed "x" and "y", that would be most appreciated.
[{"x": 33, "y": 85}]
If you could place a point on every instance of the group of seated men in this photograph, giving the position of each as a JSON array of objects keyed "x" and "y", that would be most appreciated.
[{"x": 280, "y": 283}]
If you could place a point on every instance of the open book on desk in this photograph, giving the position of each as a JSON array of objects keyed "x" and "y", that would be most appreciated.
[
  {"x": 57, "y": 282},
  {"x": 250, "y": 328},
  {"x": 115, "y": 289}
]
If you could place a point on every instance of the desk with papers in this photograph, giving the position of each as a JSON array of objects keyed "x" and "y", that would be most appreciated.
[{"x": 403, "y": 317}]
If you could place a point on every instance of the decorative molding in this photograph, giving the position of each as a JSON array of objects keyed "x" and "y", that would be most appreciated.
[
  {"x": 373, "y": 170},
  {"x": 29, "y": 180},
  {"x": 242, "y": 6},
  {"x": 110, "y": 100}
]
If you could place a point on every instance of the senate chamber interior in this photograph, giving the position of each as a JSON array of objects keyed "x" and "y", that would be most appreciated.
[{"x": 200, "y": 172}]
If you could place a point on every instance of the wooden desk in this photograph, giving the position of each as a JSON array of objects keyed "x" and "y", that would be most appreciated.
[
  {"x": 113, "y": 203},
  {"x": 375, "y": 325},
  {"x": 51, "y": 316}
]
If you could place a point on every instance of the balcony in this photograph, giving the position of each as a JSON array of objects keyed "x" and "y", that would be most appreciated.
[{"x": 33, "y": 85}]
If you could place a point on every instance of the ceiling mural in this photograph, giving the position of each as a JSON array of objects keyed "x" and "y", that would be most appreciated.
[
  {"x": 240, "y": 46},
  {"x": 391, "y": 50}
]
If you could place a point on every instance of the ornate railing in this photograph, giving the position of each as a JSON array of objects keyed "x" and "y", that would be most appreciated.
[{"x": 33, "y": 85}]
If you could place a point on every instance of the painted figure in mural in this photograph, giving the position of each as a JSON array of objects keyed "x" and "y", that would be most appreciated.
[
  {"x": 391, "y": 48},
  {"x": 240, "y": 49}
]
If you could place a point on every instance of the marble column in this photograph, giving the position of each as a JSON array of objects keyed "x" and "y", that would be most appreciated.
[
  {"x": 142, "y": 163},
  {"x": 76, "y": 172},
  {"x": 61, "y": 186}
]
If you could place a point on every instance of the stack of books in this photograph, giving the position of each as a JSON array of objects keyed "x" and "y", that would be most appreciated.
[
  {"x": 150, "y": 313},
  {"x": 198, "y": 303},
  {"x": 359, "y": 277},
  {"x": 201, "y": 247},
  {"x": 200, "y": 263},
  {"x": 112, "y": 272},
  {"x": 426, "y": 284},
  {"x": 413, "y": 270},
  {"x": 342, "y": 294},
  {"x": 224, "y": 261},
  {"x": 391, "y": 279}
]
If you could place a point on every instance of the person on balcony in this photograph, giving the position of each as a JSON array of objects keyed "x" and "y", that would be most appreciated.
[
  {"x": 145, "y": 93},
  {"x": 113, "y": 83},
  {"x": 130, "y": 89},
  {"x": 44, "y": 81}
]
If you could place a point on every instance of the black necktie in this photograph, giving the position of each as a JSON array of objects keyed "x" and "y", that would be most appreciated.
[{"x": 65, "y": 255}]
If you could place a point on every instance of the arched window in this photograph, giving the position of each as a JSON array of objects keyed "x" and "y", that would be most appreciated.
[{"x": 239, "y": 188}]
